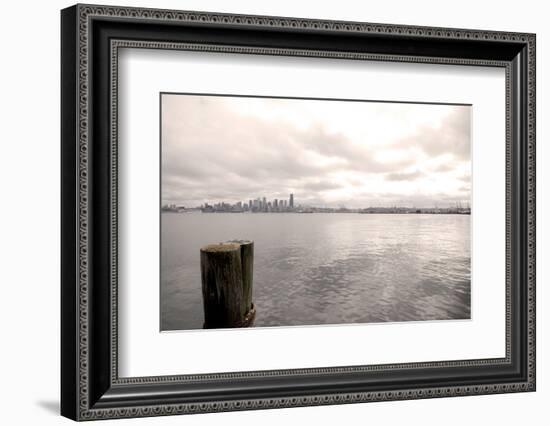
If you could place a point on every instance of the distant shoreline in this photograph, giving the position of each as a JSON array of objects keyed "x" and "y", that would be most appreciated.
[{"x": 319, "y": 212}]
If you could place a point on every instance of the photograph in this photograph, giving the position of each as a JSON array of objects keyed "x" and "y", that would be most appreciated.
[{"x": 280, "y": 211}]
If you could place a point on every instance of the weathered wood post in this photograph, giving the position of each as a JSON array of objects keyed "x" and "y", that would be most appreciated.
[
  {"x": 247, "y": 262},
  {"x": 227, "y": 299}
]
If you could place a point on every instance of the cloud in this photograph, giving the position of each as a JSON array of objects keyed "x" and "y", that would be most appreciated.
[
  {"x": 450, "y": 136},
  {"x": 448, "y": 166},
  {"x": 231, "y": 149},
  {"x": 405, "y": 176}
]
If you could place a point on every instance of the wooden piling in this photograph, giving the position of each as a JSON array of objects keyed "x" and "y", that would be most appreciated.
[
  {"x": 247, "y": 262},
  {"x": 227, "y": 296}
]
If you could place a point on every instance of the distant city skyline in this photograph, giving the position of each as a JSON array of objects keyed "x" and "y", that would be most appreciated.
[
  {"x": 328, "y": 153},
  {"x": 265, "y": 204}
]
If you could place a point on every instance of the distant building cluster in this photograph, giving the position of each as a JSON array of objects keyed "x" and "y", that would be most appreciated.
[
  {"x": 258, "y": 205},
  {"x": 172, "y": 208}
]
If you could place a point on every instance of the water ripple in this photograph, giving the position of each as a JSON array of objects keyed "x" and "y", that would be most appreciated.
[{"x": 326, "y": 268}]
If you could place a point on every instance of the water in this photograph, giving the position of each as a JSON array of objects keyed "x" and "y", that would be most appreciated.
[{"x": 325, "y": 268}]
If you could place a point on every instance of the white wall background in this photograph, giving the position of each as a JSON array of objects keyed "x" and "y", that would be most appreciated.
[{"x": 29, "y": 212}]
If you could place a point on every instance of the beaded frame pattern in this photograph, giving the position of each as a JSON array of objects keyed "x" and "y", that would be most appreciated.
[{"x": 86, "y": 12}]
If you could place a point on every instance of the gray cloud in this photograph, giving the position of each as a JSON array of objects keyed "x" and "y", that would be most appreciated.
[
  {"x": 451, "y": 136},
  {"x": 445, "y": 167},
  {"x": 405, "y": 176}
]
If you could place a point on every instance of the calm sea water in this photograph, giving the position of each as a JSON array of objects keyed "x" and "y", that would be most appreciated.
[{"x": 325, "y": 268}]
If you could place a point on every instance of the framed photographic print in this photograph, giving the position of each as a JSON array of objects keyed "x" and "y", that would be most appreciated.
[{"x": 263, "y": 212}]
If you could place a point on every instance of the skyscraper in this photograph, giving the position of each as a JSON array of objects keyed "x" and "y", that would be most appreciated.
[{"x": 291, "y": 201}]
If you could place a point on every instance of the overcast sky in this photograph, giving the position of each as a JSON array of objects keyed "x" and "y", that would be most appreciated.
[{"x": 328, "y": 153}]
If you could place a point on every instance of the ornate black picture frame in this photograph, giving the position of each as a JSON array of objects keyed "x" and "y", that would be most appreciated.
[{"x": 90, "y": 385}]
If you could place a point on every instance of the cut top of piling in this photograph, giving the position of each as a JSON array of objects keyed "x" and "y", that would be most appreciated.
[
  {"x": 240, "y": 242},
  {"x": 221, "y": 247}
]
